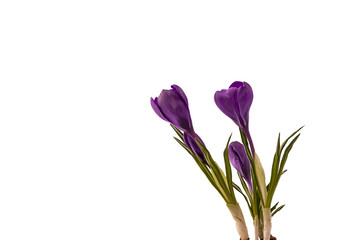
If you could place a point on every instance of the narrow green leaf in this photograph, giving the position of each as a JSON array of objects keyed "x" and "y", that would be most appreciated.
[
  {"x": 274, "y": 171},
  {"x": 274, "y": 207},
  {"x": 235, "y": 186},
  {"x": 198, "y": 161},
  {"x": 219, "y": 175},
  {"x": 246, "y": 145},
  {"x": 276, "y": 160},
  {"x": 184, "y": 146},
  {"x": 277, "y": 210},
  {"x": 257, "y": 205},
  {"x": 260, "y": 210},
  {"x": 245, "y": 187},
  {"x": 248, "y": 153},
  {"x": 257, "y": 194},
  {"x": 228, "y": 166},
  {"x": 260, "y": 176},
  {"x": 285, "y": 142},
  {"x": 282, "y": 164},
  {"x": 179, "y": 133},
  {"x": 204, "y": 169},
  {"x": 285, "y": 155}
]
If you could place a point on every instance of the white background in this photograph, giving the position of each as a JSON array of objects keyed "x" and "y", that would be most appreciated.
[{"x": 83, "y": 155}]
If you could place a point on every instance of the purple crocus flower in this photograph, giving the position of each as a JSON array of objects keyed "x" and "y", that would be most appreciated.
[
  {"x": 172, "y": 106},
  {"x": 235, "y": 102},
  {"x": 240, "y": 161}
]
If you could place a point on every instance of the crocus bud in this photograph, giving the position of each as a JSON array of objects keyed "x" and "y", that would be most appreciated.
[
  {"x": 235, "y": 102},
  {"x": 172, "y": 106},
  {"x": 240, "y": 161}
]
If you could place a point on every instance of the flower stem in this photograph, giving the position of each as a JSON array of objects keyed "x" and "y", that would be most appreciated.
[{"x": 248, "y": 135}]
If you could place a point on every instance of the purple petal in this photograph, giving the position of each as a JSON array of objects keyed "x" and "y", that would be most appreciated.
[
  {"x": 245, "y": 97},
  {"x": 157, "y": 110},
  {"x": 240, "y": 161},
  {"x": 236, "y": 84},
  {"x": 180, "y": 92},
  {"x": 225, "y": 103},
  {"x": 235, "y": 102},
  {"x": 191, "y": 143},
  {"x": 175, "y": 110}
]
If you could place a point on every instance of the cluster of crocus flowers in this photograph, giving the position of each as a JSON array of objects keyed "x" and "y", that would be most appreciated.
[{"x": 235, "y": 102}]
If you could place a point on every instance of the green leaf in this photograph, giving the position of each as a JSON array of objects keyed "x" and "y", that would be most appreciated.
[
  {"x": 274, "y": 172},
  {"x": 277, "y": 210},
  {"x": 257, "y": 202},
  {"x": 257, "y": 205},
  {"x": 257, "y": 194},
  {"x": 198, "y": 161},
  {"x": 281, "y": 171},
  {"x": 245, "y": 187},
  {"x": 218, "y": 173},
  {"x": 246, "y": 145},
  {"x": 275, "y": 164},
  {"x": 285, "y": 142},
  {"x": 260, "y": 211},
  {"x": 179, "y": 133},
  {"x": 235, "y": 186},
  {"x": 285, "y": 156},
  {"x": 228, "y": 167},
  {"x": 204, "y": 169},
  {"x": 184, "y": 146},
  {"x": 261, "y": 183},
  {"x": 274, "y": 207}
]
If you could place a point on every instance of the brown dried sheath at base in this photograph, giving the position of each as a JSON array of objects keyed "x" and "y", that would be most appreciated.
[{"x": 271, "y": 238}]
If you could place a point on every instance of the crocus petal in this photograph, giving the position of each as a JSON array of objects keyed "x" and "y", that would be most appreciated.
[
  {"x": 236, "y": 84},
  {"x": 191, "y": 143},
  {"x": 175, "y": 110},
  {"x": 154, "y": 105},
  {"x": 225, "y": 104},
  {"x": 240, "y": 161},
  {"x": 237, "y": 103},
  {"x": 245, "y": 97},
  {"x": 180, "y": 92}
]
